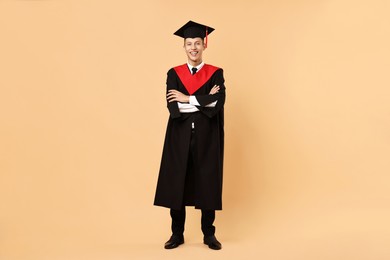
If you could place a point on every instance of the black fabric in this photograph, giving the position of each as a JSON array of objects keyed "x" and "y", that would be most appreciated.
[
  {"x": 189, "y": 186},
  {"x": 193, "y": 30},
  {"x": 179, "y": 218},
  {"x": 208, "y": 217},
  {"x": 194, "y": 70},
  {"x": 205, "y": 148}
]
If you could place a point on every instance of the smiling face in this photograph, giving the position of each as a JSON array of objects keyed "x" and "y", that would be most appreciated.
[{"x": 194, "y": 48}]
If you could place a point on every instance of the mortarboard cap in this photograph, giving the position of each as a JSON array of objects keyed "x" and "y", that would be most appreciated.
[{"x": 194, "y": 30}]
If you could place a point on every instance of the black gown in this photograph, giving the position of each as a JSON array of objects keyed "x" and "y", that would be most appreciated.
[{"x": 199, "y": 184}]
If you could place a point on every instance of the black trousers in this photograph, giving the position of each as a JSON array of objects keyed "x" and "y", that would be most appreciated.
[{"x": 179, "y": 218}]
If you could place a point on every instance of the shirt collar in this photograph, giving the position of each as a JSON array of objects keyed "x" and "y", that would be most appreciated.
[{"x": 198, "y": 67}]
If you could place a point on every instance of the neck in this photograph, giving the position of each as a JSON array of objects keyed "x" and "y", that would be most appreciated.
[{"x": 194, "y": 63}]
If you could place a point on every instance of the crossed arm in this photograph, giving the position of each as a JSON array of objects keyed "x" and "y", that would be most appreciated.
[{"x": 175, "y": 95}]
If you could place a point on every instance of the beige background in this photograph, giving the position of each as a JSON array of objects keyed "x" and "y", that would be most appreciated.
[{"x": 83, "y": 117}]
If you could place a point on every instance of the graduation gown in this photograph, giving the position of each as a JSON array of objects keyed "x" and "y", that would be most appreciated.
[{"x": 199, "y": 185}]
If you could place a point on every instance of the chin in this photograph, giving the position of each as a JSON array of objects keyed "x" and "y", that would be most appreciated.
[{"x": 194, "y": 59}]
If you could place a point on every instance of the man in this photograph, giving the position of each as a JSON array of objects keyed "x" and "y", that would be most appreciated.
[{"x": 192, "y": 160}]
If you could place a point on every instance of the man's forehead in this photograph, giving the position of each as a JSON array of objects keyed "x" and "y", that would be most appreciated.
[{"x": 193, "y": 39}]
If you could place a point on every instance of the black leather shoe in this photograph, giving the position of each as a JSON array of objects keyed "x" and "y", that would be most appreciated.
[
  {"x": 212, "y": 242},
  {"x": 174, "y": 242}
]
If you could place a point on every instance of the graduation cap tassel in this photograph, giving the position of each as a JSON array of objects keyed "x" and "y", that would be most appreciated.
[{"x": 207, "y": 34}]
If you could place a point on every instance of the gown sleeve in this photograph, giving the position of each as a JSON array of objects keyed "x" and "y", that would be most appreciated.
[
  {"x": 220, "y": 97},
  {"x": 172, "y": 84}
]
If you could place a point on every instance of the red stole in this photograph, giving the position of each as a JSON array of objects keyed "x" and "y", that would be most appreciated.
[{"x": 194, "y": 82}]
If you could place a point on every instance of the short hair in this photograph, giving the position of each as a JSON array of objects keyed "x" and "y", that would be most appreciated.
[{"x": 199, "y": 37}]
